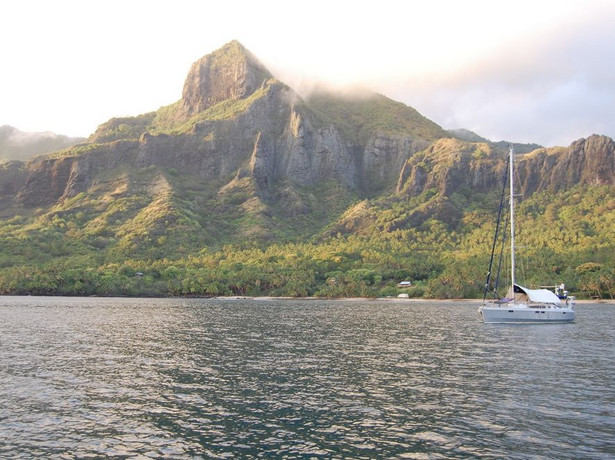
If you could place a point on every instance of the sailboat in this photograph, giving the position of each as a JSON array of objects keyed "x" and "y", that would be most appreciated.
[{"x": 523, "y": 305}]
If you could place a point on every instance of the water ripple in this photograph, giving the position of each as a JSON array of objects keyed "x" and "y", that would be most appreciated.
[{"x": 143, "y": 378}]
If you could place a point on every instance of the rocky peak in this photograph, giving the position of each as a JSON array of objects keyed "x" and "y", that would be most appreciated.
[
  {"x": 598, "y": 153},
  {"x": 451, "y": 165},
  {"x": 231, "y": 72}
]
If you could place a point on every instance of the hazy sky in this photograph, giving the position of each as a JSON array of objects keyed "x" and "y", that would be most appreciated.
[{"x": 527, "y": 71}]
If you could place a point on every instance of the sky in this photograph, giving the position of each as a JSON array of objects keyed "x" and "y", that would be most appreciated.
[{"x": 537, "y": 71}]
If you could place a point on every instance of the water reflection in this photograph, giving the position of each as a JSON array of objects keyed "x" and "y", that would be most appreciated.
[{"x": 205, "y": 378}]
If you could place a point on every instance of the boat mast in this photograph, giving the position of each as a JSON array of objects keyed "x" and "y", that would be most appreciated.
[
  {"x": 496, "y": 236},
  {"x": 512, "y": 221}
]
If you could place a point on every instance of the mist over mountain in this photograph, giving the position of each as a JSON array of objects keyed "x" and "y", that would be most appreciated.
[
  {"x": 243, "y": 160},
  {"x": 20, "y": 145}
]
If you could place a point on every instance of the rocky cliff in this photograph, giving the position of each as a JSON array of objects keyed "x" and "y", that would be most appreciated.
[
  {"x": 588, "y": 161},
  {"x": 230, "y": 73},
  {"x": 451, "y": 165},
  {"x": 236, "y": 121},
  {"x": 239, "y": 142}
]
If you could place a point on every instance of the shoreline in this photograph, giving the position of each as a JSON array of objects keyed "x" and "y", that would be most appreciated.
[
  {"x": 344, "y": 299},
  {"x": 340, "y": 299},
  {"x": 387, "y": 299}
]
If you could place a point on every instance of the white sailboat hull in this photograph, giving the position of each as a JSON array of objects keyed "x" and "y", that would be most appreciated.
[{"x": 523, "y": 313}]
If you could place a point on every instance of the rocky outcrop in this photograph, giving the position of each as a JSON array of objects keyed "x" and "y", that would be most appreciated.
[
  {"x": 12, "y": 177},
  {"x": 383, "y": 158},
  {"x": 450, "y": 166},
  {"x": 230, "y": 73},
  {"x": 307, "y": 155},
  {"x": 46, "y": 182},
  {"x": 588, "y": 161},
  {"x": 50, "y": 180}
]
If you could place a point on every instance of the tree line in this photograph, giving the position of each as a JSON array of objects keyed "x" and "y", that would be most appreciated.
[{"x": 564, "y": 238}]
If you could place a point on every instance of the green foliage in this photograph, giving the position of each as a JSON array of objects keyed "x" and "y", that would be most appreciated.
[
  {"x": 359, "y": 116},
  {"x": 164, "y": 232},
  {"x": 169, "y": 119},
  {"x": 153, "y": 231},
  {"x": 123, "y": 128}
]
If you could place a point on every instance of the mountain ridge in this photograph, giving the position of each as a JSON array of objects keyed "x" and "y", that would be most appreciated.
[
  {"x": 241, "y": 159},
  {"x": 243, "y": 123},
  {"x": 248, "y": 124},
  {"x": 21, "y": 145}
]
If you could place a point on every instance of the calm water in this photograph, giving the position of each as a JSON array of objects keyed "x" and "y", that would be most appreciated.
[{"x": 159, "y": 378}]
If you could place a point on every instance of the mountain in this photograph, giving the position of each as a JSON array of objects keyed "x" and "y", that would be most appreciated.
[
  {"x": 451, "y": 176},
  {"x": 236, "y": 134},
  {"x": 242, "y": 161},
  {"x": 450, "y": 165},
  {"x": 470, "y": 136},
  {"x": 19, "y": 145}
]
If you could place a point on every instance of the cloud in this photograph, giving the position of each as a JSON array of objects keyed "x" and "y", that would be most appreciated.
[
  {"x": 548, "y": 89},
  {"x": 19, "y": 145},
  {"x": 525, "y": 70}
]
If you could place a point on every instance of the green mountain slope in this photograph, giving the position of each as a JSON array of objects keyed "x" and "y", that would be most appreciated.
[
  {"x": 360, "y": 114},
  {"x": 242, "y": 187}
]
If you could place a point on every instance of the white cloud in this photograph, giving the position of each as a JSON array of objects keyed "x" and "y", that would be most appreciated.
[{"x": 526, "y": 70}]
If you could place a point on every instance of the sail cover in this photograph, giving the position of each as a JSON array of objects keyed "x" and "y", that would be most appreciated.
[{"x": 535, "y": 295}]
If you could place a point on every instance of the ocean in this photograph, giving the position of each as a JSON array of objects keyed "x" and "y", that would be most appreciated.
[{"x": 253, "y": 378}]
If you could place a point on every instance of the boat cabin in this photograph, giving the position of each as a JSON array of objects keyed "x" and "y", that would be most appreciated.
[{"x": 523, "y": 294}]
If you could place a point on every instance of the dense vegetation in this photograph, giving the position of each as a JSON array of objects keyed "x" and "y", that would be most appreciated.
[
  {"x": 166, "y": 249},
  {"x": 358, "y": 116},
  {"x": 206, "y": 197}
]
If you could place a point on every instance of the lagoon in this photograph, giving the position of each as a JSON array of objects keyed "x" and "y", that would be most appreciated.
[{"x": 251, "y": 378}]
